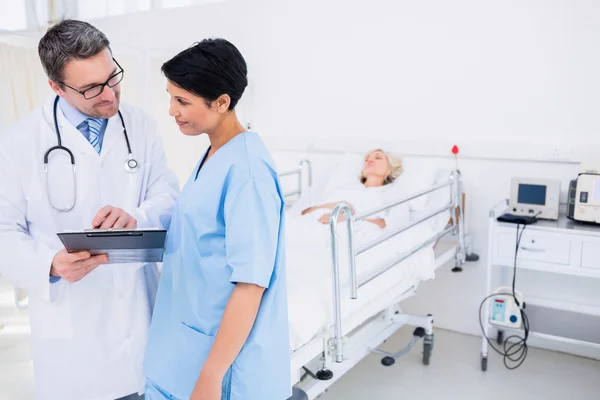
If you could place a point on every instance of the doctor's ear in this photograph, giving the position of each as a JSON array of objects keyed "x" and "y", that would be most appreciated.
[{"x": 57, "y": 88}]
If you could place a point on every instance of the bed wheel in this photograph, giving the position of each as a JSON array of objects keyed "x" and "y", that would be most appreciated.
[
  {"x": 420, "y": 332},
  {"x": 457, "y": 269},
  {"x": 324, "y": 375},
  {"x": 484, "y": 364},
  {"x": 427, "y": 347},
  {"x": 472, "y": 257},
  {"x": 388, "y": 361}
]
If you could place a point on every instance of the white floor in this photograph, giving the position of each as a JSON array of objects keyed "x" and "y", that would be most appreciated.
[
  {"x": 454, "y": 373},
  {"x": 16, "y": 369}
]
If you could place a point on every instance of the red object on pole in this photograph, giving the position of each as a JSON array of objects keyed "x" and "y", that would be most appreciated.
[{"x": 455, "y": 150}]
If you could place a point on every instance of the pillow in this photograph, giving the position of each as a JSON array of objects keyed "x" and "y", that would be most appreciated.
[
  {"x": 330, "y": 178},
  {"x": 346, "y": 172},
  {"x": 420, "y": 174}
]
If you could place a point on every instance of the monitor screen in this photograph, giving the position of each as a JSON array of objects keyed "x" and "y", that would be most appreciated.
[{"x": 532, "y": 194}]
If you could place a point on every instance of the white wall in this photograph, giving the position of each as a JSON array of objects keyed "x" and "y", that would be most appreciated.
[
  {"x": 417, "y": 77},
  {"x": 464, "y": 71}
]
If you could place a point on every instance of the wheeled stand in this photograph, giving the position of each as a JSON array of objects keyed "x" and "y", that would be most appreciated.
[
  {"x": 390, "y": 358},
  {"x": 426, "y": 333}
]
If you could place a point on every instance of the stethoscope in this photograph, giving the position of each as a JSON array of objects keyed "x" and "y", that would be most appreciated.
[{"x": 131, "y": 164}]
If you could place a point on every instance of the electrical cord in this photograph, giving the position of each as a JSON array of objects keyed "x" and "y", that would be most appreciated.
[{"x": 515, "y": 347}]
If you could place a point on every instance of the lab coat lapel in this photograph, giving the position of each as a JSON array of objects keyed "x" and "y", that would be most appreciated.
[
  {"x": 113, "y": 135},
  {"x": 72, "y": 138}
]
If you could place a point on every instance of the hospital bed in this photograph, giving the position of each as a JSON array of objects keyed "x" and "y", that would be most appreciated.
[{"x": 340, "y": 309}]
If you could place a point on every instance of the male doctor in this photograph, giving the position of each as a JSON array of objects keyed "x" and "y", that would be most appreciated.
[{"x": 89, "y": 319}]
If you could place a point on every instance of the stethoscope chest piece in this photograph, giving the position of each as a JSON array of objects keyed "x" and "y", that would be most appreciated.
[{"x": 131, "y": 165}]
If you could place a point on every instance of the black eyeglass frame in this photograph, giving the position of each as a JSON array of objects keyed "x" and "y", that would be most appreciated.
[{"x": 102, "y": 85}]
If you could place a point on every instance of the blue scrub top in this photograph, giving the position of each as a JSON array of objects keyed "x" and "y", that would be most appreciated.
[{"x": 227, "y": 227}]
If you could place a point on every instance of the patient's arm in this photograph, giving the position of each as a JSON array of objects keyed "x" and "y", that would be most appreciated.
[
  {"x": 329, "y": 206},
  {"x": 380, "y": 222},
  {"x": 315, "y": 208}
]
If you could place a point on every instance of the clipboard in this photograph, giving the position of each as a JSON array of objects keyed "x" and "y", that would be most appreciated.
[{"x": 121, "y": 245}]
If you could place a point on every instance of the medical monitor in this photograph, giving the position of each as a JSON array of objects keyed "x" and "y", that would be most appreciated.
[
  {"x": 586, "y": 199},
  {"x": 535, "y": 197}
]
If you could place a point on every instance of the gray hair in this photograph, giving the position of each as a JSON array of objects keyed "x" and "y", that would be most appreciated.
[{"x": 69, "y": 40}]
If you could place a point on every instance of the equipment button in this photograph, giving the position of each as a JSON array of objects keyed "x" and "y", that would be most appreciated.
[
  {"x": 513, "y": 318},
  {"x": 583, "y": 197}
]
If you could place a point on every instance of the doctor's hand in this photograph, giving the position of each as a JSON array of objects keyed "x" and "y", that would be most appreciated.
[
  {"x": 113, "y": 217},
  {"x": 208, "y": 387},
  {"x": 73, "y": 267}
]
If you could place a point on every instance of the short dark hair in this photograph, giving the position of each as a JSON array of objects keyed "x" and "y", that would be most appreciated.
[
  {"x": 209, "y": 69},
  {"x": 69, "y": 40}
]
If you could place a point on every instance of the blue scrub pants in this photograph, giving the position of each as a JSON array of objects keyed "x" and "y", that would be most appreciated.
[{"x": 155, "y": 392}]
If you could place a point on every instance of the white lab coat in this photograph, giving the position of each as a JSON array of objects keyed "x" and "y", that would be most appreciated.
[{"x": 88, "y": 337}]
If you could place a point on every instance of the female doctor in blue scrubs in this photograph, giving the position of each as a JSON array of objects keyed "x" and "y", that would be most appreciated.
[{"x": 220, "y": 327}]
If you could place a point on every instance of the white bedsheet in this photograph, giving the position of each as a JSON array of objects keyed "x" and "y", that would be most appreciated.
[{"x": 309, "y": 271}]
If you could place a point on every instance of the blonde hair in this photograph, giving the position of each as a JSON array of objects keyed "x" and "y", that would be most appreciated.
[{"x": 395, "y": 167}]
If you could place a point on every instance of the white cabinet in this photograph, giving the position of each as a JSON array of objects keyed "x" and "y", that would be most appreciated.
[
  {"x": 535, "y": 246},
  {"x": 561, "y": 247},
  {"x": 590, "y": 254}
]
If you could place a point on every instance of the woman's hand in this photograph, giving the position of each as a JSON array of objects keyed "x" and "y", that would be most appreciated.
[
  {"x": 380, "y": 222},
  {"x": 208, "y": 387},
  {"x": 236, "y": 325},
  {"x": 326, "y": 217},
  {"x": 352, "y": 209},
  {"x": 327, "y": 206}
]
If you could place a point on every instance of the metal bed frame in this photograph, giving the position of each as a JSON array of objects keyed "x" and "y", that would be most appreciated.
[
  {"x": 338, "y": 349},
  {"x": 298, "y": 171}
]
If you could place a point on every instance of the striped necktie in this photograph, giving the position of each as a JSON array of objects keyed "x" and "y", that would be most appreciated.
[{"x": 94, "y": 125}]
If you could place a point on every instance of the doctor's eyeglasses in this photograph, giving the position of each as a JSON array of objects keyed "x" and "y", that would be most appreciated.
[{"x": 97, "y": 90}]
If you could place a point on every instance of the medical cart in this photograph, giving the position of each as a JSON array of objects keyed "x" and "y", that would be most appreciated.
[{"x": 559, "y": 247}]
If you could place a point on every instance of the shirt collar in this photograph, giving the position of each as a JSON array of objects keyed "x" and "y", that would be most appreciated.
[{"x": 73, "y": 115}]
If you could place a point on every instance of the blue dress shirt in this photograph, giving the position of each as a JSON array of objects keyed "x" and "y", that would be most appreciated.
[{"x": 79, "y": 120}]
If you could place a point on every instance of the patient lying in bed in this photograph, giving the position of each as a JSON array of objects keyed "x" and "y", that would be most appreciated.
[{"x": 365, "y": 194}]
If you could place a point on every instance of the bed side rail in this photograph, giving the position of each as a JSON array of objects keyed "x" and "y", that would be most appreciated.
[
  {"x": 299, "y": 171},
  {"x": 457, "y": 227}
]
